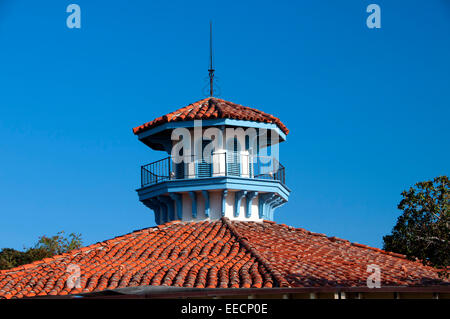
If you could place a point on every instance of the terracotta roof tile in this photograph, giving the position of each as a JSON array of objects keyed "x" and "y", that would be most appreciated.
[
  {"x": 218, "y": 254},
  {"x": 213, "y": 108}
]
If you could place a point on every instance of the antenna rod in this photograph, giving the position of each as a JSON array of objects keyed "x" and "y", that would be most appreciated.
[{"x": 211, "y": 67}]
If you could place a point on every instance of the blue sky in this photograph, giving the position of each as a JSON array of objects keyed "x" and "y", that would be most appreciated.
[{"x": 368, "y": 109}]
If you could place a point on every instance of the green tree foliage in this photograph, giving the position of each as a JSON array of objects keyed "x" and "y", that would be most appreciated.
[
  {"x": 423, "y": 230},
  {"x": 44, "y": 248}
]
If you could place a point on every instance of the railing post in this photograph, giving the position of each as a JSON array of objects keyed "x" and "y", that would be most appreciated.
[
  {"x": 226, "y": 164},
  {"x": 170, "y": 170}
]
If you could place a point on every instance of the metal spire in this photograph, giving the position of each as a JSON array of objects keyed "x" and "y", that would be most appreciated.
[{"x": 211, "y": 65}]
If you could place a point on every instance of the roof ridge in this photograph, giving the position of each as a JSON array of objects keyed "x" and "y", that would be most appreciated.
[
  {"x": 235, "y": 232},
  {"x": 246, "y": 244}
]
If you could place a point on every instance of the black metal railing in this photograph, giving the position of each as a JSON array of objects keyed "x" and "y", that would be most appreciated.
[
  {"x": 156, "y": 172},
  {"x": 218, "y": 164},
  {"x": 274, "y": 171}
]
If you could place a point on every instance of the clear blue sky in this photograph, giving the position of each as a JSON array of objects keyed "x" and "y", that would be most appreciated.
[{"x": 368, "y": 109}]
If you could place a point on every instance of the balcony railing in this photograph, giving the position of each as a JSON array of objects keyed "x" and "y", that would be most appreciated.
[{"x": 218, "y": 164}]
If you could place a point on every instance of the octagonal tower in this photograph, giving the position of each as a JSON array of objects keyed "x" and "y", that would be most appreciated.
[{"x": 223, "y": 161}]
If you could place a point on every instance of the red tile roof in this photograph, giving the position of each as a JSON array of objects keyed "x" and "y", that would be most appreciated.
[
  {"x": 213, "y": 108},
  {"x": 216, "y": 254}
]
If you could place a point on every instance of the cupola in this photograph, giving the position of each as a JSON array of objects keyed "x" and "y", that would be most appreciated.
[{"x": 222, "y": 161}]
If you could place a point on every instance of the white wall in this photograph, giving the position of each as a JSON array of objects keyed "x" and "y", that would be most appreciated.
[
  {"x": 219, "y": 155},
  {"x": 215, "y": 199},
  {"x": 219, "y": 169}
]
